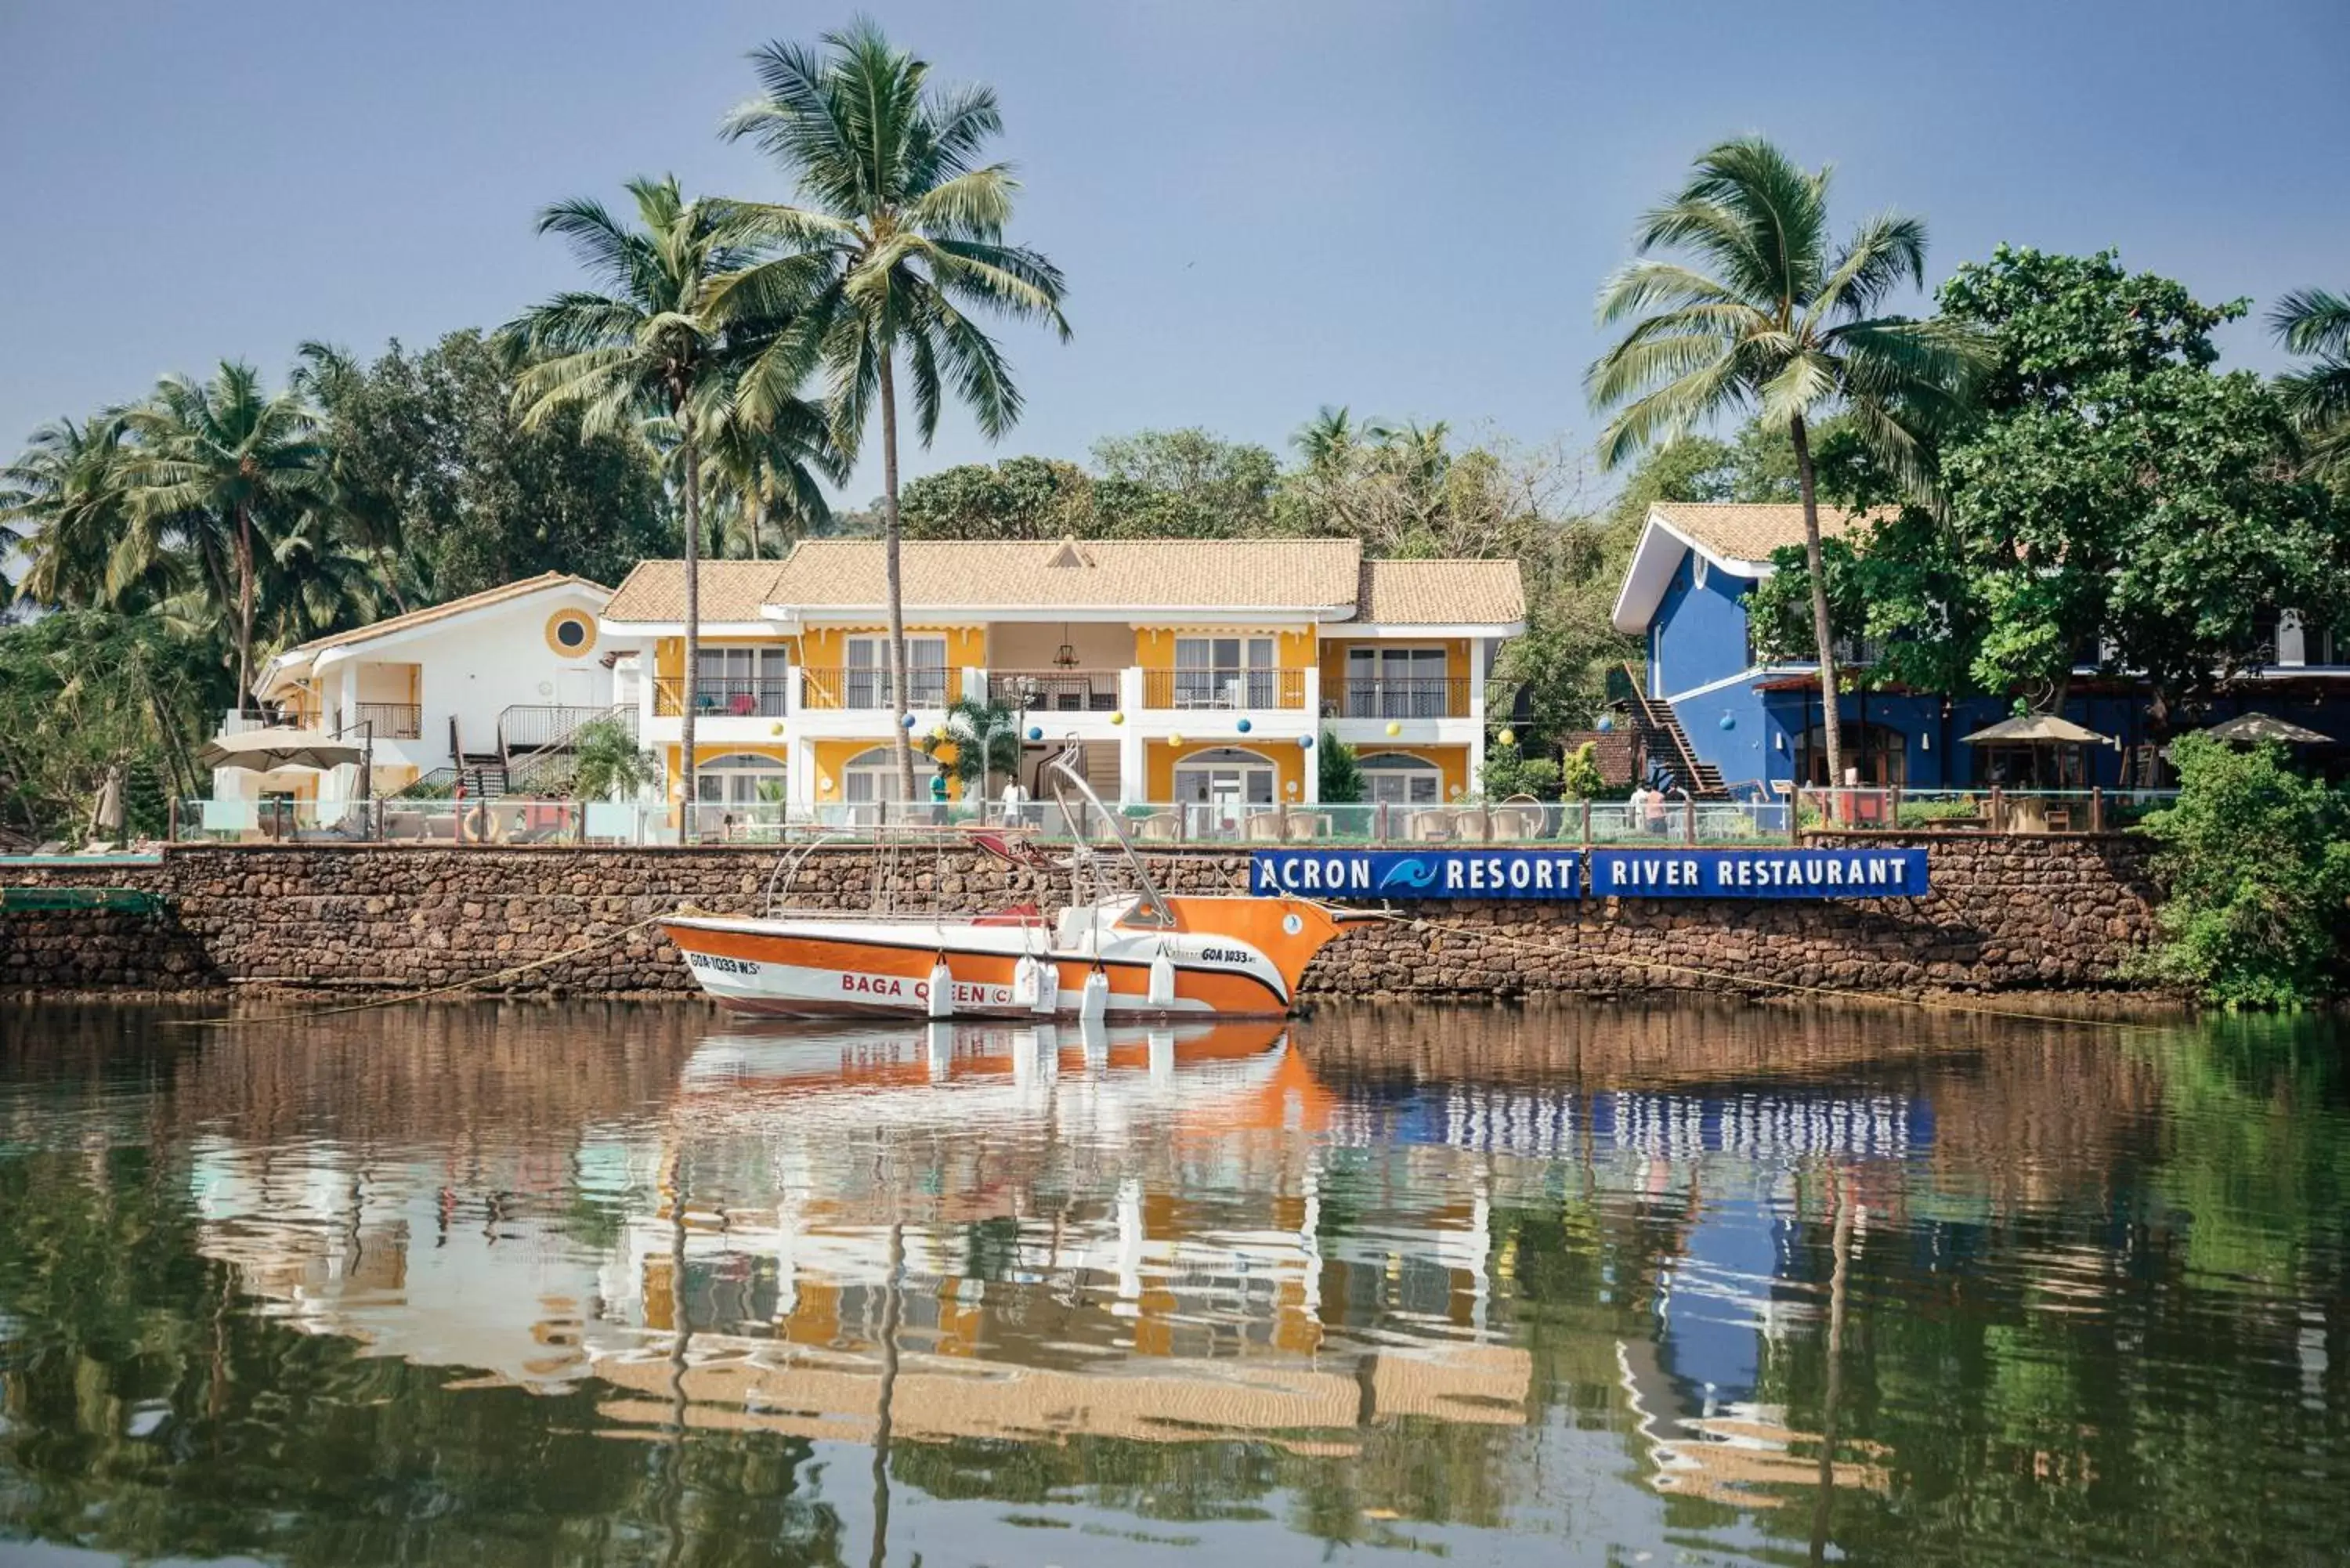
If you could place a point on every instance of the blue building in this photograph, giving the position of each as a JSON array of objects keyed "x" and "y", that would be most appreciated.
[{"x": 1756, "y": 726}]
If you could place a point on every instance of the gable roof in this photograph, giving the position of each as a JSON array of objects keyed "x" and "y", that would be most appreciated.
[
  {"x": 1070, "y": 574},
  {"x": 1440, "y": 593},
  {"x": 431, "y": 613},
  {"x": 1735, "y": 535},
  {"x": 1749, "y": 531},
  {"x": 731, "y": 591}
]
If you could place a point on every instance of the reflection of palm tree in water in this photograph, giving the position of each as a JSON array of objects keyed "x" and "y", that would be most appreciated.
[
  {"x": 1841, "y": 1248},
  {"x": 672, "y": 1484},
  {"x": 892, "y": 1306}
]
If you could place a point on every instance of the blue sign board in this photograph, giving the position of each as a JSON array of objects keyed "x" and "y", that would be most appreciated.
[
  {"x": 1417, "y": 873},
  {"x": 1758, "y": 873}
]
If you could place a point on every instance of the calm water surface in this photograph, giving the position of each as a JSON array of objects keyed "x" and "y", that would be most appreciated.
[{"x": 1594, "y": 1285}]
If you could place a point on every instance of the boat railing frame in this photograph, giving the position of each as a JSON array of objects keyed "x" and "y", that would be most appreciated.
[{"x": 1085, "y": 866}]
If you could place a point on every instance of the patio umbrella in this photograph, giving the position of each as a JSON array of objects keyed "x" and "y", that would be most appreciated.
[
  {"x": 267, "y": 750},
  {"x": 2035, "y": 729},
  {"x": 108, "y": 817},
  {"x": 2249, "y": 728}
]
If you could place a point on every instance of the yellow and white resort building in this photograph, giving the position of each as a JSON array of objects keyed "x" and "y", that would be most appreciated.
[{"x": 1189, "y": 671}]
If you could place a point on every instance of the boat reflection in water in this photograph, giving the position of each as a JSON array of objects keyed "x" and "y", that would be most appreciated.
[{"x": 1013, "y": 1201}]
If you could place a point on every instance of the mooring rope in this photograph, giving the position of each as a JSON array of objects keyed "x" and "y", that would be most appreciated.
[
  {"x": 607, "y": 939},
  {"x": 1929, "y": 1003}
]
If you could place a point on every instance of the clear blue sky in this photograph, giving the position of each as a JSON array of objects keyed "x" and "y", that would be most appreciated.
[{"x": 1261, "y": 207}]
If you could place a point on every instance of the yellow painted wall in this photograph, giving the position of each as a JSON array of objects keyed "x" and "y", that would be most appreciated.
[
  {"x": 825, "y": 648},
  {"x": 1288, "y": 759},
  {"x": 1452, "y": 762}
]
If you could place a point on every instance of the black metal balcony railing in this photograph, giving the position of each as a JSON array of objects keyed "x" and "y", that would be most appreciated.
[
  {"x": 1223, "y": 688},
  {"x": 1055, "y": 691},
  {"x": 390, "y": 720},
  {"x": 760, "y": 697},
  {"x": 866, "y": 689},
  {"x": 1412, "y": 697}
]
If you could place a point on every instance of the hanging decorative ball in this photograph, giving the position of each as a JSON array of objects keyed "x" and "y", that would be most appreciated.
[
  {"x": 1508, "y": 737},
  {"x": 1035, "y": 731},
  {"x": 1730, "y": 721},
  {"x": 1394, "y": 728},
  {"x": 1607, "y": 724},
  {"x": 1118, "y": 717},
  {"x": 1174, "y": 740},
  {"x": 1244, "y": 726},
  {"x": 1305, "y": 742},
  {"x": 906, "y": 721},
  {"x": 775, "y": 729},
  {"x": 937, "y": 733}
]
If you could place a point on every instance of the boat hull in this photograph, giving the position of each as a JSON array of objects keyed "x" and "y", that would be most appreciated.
[{"x": 818, "y": 967}]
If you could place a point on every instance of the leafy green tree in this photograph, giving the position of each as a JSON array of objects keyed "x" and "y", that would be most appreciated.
[
  {"x": 84, "y": 694},
  {"x": 1341, "y": 772},
  {"x": 1757, "y": 307},
  {"x": 766, "y": 469},
  {"x": 2112, "y": 490},
  {"x": 221, "y": 467},
  {"x": 1183, "y": 484},
  {"x": 2316, "y": 322},
  {"x": 649, "y": 354},
  {"x": 1019, "y": 498},
  {"x": 2255, "y": 861},
  {"x": 1509, "y": 771},
  {"x": 898, "y": 237},
  {"x": 1579, "y": 777}
]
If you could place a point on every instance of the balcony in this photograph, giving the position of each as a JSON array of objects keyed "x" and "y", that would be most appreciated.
[
  {"x": 1414, "y": 697},
  {"x": 1226, "y": 690},
  {"x": 871, "y": 689},
  {"x": 389, "y": 721},
  {"x": 1055, "y": 691},
  {"x": 756, "y": 697}
]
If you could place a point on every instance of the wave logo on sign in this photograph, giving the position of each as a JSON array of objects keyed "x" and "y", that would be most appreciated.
[{"x": 1414, "y": 873}]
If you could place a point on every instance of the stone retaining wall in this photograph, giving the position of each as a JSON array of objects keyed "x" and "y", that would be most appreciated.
[{"x": 2020, "y": 913}]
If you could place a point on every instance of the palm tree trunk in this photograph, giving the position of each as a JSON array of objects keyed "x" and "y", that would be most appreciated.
[
  {"x": 754, "y": 513},
  {"x": 243, "y": 605},
  {"x": 900, "y": 743},
  {"x": 692, "y": 465},
  {"x": 1823, "y": 634}
]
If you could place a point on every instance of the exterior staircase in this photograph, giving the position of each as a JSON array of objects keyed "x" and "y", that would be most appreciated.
[{"x": 1666, "y": 742}]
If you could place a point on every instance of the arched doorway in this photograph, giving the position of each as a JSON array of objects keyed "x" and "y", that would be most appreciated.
[
  {"x": 738, "y": 778},
  {"x": 1224, "y": 775},
  {"x": 1398, "y": 778}
]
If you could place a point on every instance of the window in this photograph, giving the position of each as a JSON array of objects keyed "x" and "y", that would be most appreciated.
[
  {"x": 1225, "y": 776},
  {"x": 1397, "y": 683},
  {"x": 1393, "y": 778},
  {"x": 1881, "y": 755},
  {"x": 1226, "y": 672},
  {"x": 869, "y": 777},
  {"x": 570, "y": 632},
  {"x": 740, "y": 682},
  {"x": 868, "y": 671},
  {"x": 739, "y": 778}
]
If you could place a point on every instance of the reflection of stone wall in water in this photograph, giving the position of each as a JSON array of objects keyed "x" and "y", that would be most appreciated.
[{"x": 2046, "y": 913}]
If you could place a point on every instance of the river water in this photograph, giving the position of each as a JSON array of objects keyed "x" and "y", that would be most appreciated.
[{"x": 488, "y": 1284}]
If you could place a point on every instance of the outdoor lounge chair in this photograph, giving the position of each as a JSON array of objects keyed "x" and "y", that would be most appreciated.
[
  {"x": 1430, "y": 824},
  {"x": 1265, "y": 828},
  {"x": 1306, "y": 827}
]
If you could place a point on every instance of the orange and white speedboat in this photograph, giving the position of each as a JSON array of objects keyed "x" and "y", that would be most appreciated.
[{"x": 1134, "y": 953}]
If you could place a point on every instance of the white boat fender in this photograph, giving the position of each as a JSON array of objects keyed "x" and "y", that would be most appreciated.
[
  {"x": 1024, "y": 982},
  {"x": 1093, "y": 998},
  {"x": 1048, "y": 987},
  {"x": 1162, "y": 979},
  {"x": 941, "y": 995}
]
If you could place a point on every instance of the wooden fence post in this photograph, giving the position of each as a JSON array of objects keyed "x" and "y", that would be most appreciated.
[{"x": 2096, "y": 808}]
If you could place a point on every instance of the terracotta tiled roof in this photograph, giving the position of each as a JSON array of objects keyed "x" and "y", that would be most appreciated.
[
  {"x": 731, "y": 591},
  {"x": 1744, "y": 531},
  {"x": 1087, "y": 573},
  {"x": 1440, "y": 593},
  {"x": 431, "y": 613}
]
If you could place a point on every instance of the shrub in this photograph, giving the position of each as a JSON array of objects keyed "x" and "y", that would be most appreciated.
[
  {"x": 607, "y": 762},
  {"x": 2255, "y": 862},
  {"x": 1579, "y": 776},
  {"x": 1509, "y": 771},
  {"x": 1342, "y": 775}
]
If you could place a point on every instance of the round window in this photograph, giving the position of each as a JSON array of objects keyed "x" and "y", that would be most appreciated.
[{"x": 571, "y": 633}]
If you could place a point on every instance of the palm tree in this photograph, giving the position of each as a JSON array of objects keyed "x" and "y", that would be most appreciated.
[
  {"x": 647, "y": 353},
  {"x": 1754, "y": 306},
  {"x": 68, "y": 497},
  {"x": 217, "y": 462},
  {"x": 767, "y": 467},
  {"x": 900, "y": 232},
  {"x": 1327, "y": 441},
  {"x": 2317, "y": 321}
]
